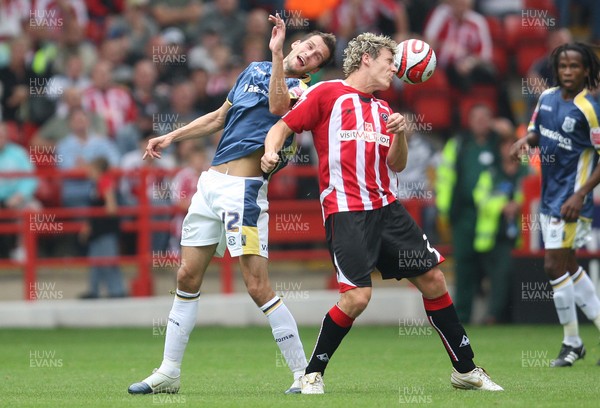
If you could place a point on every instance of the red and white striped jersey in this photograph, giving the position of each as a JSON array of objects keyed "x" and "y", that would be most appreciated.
[
  {"x": 457, "y": 39},
  {"x": 349, "y": 133},
  {"x": 115, "y": 105}
]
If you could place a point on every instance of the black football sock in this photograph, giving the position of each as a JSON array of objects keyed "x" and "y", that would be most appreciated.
[
  {"x": 442, "y": 316},
  {"x": 335, "y": 326}
]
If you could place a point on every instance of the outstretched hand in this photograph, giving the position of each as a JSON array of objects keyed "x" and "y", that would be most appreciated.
[
  {"x": 155, "y": 145},
  {"x": 277, "y": 34}
]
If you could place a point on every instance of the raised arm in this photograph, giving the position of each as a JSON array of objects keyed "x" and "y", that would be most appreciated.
[
  {"x": 203, "y": 126},
  {"x": 279, "y": 98}
]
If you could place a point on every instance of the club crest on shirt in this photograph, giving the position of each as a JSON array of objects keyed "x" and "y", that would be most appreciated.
[
  {"x": 568, "y": 124},
  {"x": 384, "y": 116}
]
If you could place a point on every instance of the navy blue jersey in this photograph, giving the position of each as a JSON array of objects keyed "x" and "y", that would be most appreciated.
[
  {"x": 248, "y": 120},
  {"x": 569, "y": 143}
]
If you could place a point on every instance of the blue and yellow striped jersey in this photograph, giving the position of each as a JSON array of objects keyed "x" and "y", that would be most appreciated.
[
  {"x": 249, "y": 120},
  {"x": 569, "y": 144}
]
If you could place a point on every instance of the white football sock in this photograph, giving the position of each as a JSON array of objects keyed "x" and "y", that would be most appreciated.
[
  {"x": 286, "y": 335},
  {"x": 182, "y": 320},
  {"x": 564, "y": 302},
  {"x": 585, "y": 296}
]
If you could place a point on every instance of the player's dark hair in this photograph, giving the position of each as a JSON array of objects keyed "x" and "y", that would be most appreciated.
[
  {"x": 329, "y": 40},
  {"x": 588, "y": 57}
]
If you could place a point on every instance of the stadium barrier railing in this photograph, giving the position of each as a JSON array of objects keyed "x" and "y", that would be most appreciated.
[{"x": 292, "y": 222}]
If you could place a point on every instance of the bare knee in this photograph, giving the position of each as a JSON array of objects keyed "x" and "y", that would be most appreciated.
[
  {"x": 355, "y": 301},
  {"x": 259, "y": 290},
  {"x": 553, "y": 269},
  {"x": 188, "y": 279},
  {"x": 431, "y": 284}
]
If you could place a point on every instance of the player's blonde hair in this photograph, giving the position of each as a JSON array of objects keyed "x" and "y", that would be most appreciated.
[{"x": 367, "y": 43}]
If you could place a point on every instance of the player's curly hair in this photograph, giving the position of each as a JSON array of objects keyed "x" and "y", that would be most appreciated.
[
  {"x": 588, "y": 57},
  {"x": 367, "y": 43}
]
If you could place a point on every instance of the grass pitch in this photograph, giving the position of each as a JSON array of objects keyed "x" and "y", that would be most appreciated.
[{"x": 241, "y": 367}]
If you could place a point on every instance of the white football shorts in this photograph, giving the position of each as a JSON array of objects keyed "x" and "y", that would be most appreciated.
[
  {"x": 558, "y": 234},
  {"x": 229, "y": 211}
]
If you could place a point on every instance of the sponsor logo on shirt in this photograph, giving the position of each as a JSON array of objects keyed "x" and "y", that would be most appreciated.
[
  {"x": 255, "y": 88},
  {"x": 563, "y": 142},
  {"x": 366, "y": 136},
  {"x": 546, "y": 108}
]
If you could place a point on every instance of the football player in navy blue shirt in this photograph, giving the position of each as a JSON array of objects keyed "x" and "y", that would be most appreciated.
[{"x": 565, "y": 128}]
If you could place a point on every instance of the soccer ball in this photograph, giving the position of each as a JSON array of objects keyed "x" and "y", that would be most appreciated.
[{"x": 415, "y": 61}]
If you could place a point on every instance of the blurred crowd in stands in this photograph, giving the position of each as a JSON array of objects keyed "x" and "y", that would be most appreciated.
[{"x": 83, "y": 79}]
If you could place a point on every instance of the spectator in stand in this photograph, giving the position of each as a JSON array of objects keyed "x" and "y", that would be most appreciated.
[
  {"x": 462, "y": 42},
  {"x": 111, "y": 101},
  {"x": 353, "y": 17},
  {"x": 14, "y": 15},
  {"x": 151, "y": 102},
  {"x": 183, "y": 14},
  {"x": 257, "y": 24},
  {"x": 102, "y": 233},
  {"x": 226, "y": 19},
  {"x": 591, "y": 10},
  {"x": 170, "y": 55},
  {"x": 54, "y": 19},
  {"x": 73, "y": 78},
  {"x": 114, "y": 50},
  {"x": 149, "y": 96},
  {"x": 182, "y": 110},
  {"x": 135, "y": 26},
  {"x": 183, "y": 187},
  {"x": 72, "y": 42},
  {"x": 78, "y": 149},
  {"x": 14, "y": 81},
  {"x": 15, "y": 193},
  {"x": 463, "y": 45},
  {"x": 58, "y": 127}
]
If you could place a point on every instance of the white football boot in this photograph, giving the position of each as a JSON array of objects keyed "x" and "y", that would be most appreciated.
[
  {"x": 155, "y": 384},
  {"x": 476, "y": 379}
]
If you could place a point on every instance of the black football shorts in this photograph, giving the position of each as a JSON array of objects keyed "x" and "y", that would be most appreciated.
[{"x": 386, "y": 238}]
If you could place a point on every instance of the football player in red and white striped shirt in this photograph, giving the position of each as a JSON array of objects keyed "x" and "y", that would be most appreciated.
[{"x": 361, "y": 145}]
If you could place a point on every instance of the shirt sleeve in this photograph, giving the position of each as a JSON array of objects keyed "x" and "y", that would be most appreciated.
[
  {"x": 307, "y": 112},
  {"x": 534, "y": 122},
  {"x": 592, "y": 117}
]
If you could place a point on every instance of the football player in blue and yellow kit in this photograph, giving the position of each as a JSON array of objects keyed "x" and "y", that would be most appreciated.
[
  {"x": 229, "y": 209},
  {"x": 565, "y": 128}
]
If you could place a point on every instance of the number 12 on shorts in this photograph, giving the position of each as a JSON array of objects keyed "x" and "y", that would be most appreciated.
[{"x": 231, "y": 220}]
